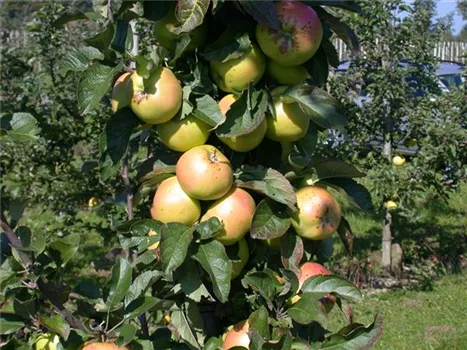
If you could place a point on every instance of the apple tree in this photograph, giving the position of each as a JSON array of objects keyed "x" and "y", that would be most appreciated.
[{"x": 218, "y": 112}]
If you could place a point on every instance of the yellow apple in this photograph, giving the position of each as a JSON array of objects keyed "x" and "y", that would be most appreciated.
[
  {"x": 284, "y": 75},
  {"x": 122, "y": 92},
  {"x": 47, "y": 341}
]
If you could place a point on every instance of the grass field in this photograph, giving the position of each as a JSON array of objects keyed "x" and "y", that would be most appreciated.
[{"x": 418, "y": 320}]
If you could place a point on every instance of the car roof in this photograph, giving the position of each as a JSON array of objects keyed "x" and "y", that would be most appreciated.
[{"x": 446, "y": 68}]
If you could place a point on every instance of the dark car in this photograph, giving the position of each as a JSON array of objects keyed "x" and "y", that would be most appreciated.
[{"x": 450, "y": 74}]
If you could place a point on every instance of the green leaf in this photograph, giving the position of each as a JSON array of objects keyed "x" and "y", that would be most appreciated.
[
  {"x": 126, "y": 333},
  {"x": 175, "y": 240},
  {"x": 263, "y": 282},
  {"x": 139, "y": 227},
  {"x": 324, "y": 249},
  {"x": 331, "y": 168},
  {"x": 331, "y": 52},
  {"x": 119, "y": 283},
  {"x": 102, "y": 40},
  {"x": 213, "y": 258},
  {"x": 9, "y": 324},
  {"x": 190, "y": 14},
  {"x": 308, "y": 143},
  {"x": 355, "y": 193},
  {"x": 141, "y": 284},
  {"x": 20, "y": 127},
  {"x": 88, "y": 289},
  {"x": 156, "y": 10},
  {"x": 25, "y": 308},
  {"x": 259, "y": 322},
  {"x": 63, "y": 249},
  {"x": 79, "y": 60},
  {"x": 355, "y": 336},
  {"x": 207, "y": 110},
  {"x": 209, "y": 228},
  {"x": 263, "y": 12},
  {"x": 32, "y": 242},
  {"x": 233, "y": 43},
  {"x": 71, "y": 15},
  {"x": 56, "y": 324},
  {"x": 144, "y": 304},
  {"x": 245, "y": 114},
  {"x": 269, "y": 182},
  {"x": 346, "y": 235},
  {"x": 292, "y": 251},
  {"x": 16, "y": 210},
  {"x": 94, "y": 84},
  {"x": 213, "y": 344},
  {"x": 149, "y": 182},
  {"x": 322, "y": 108},
  {"x": 308, "y": 309},
  {"x": 342, "y": 30},
  {"x": 119, "y": 39},
  {"x": 332, "y": 284},
  {"x": 118, "y": 131},
  {"x": 270, "y": 220},
  {"x": 318, "y": 67},
  {"x": 183, "y": 329},
  {"x": 191, "y": 282}
]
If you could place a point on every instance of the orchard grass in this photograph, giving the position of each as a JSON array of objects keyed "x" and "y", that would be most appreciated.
[{"x": 417, "y": 319}]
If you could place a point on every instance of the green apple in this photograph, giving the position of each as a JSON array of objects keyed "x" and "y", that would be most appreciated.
[
  {"x": 287, "y": 75},
  {"x": 236, "y": 74},
  {"x": 47, "y": 341},
  {"x": 122, "y": 92},
  {"x": 157, "y": 99},
  {"x": 243, "y": 254}
]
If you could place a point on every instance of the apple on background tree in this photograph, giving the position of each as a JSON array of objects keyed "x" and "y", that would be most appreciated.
[
  {"x": 398, "y": 160},
  {"x": 243, "y": 143},
  {"x": 298, "y": 37},
  {"x": 236, "y": 74},
  {"x": 204, "y": 173},
  {"x": 235, "y": 210},
  {"x": 157, "y": 99},
  {"x": 182, "y": 135},
  {"x": 318, "y": 215},
  {"x": 172, "y": 204}
]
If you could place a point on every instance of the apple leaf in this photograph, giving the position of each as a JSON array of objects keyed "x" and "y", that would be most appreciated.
[
  {"x": 245, "y": 114},
  {"x": 79, "y": 59},
  {"x": 71, "y": 15},
  {"x": 190, "y": 280},
  {"x": 175, "y": 240},
  {"x": 214, "y": 260},
  {"x": 213, "y": 343},
  {"x": 156, "y": 10},
  {"x": 269, "y": 182},
  {"x": 307, "y": 145},
  {"x": 342, "y": 30},
  {"x": 56, "y": 324},
  {"x": 182, "y": 327},
  {"x": 270, "y": 220},
  {"x": 141, "y": 284},
  {"x": 119, "y": 283},
  {"x": 25, "y": 308},
  {"x": 10, "y": 323},
  {"x": 94, "y": 84},
  {"x": 207, "y": 110},
  {"x": 349, "y": 5},
  {"x": 346, "y": 235},
  {"x": 103, "y": 39},
  {"x": 144, "y": 304},
  {"x": 355, "y": 193},
  {"x": 355, "y": 336},
  {"x": 292, "y": 251},
  {"x": 318, "y": 67},
  {"x": 263, "y": 12},
  {"x": 259, "y": 322},
  {"x": 334, "y": 168},
  {"x": 265, "y": 283},
  {"x": 324, "y": 249},
  {"x": 331, "y": 52},
  {"x": 190, "y": 14},
  {"x": 233, "y": 43},
  {"x": 308, "y": 309},
  {"x": 126, "y": 333},
  {"x": 32, "y": 242},
  {"x": 20, "y": 127},
  {"x": 149, "y": 182},
  {"x": 332, "y": 284},
  {"x": 63, "y": 249},
  {"x": 322, "y": 108},
  {"x": 139, "y": 227},
  {"x": 209, "y": 228}
]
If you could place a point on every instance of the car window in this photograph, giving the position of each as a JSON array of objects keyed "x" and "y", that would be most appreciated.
[{"x": 451, "y": 80}]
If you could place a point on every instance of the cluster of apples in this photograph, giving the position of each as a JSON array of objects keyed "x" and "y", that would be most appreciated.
[{"x": 49, "y": 341}]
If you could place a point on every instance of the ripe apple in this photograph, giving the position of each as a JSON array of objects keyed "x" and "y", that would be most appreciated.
[
  {"x": 298, "y": 37},
  {"x": 182, "y": 135},
  {"x": 243, "y": 143},
  {"x": 165, "y": 37},
  {"x": 236, "y": 74},
  {"x": 47, "y": 341},
  {"x": 391, "y": 205},
  {"x": 235, "y": 210},
  {"x": 310, "y": 269},
  {"x": 204, "y": 173},
  {"x": 284, "y": 75},
  {"x": 172, "y": 204},
  {"x": 157, "y": 99},
  {"x": 122, "y": 92},
  {"x": 103, "y": 346},
  {"x": 398, "y": 160},
  {"x": 290, "y": 123},
  {"x": 243, "y": 254},
  {"x": 237, "y": 336},
  {"x": 318, "y": 214},
  {"x": 155, "y": 245}
]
